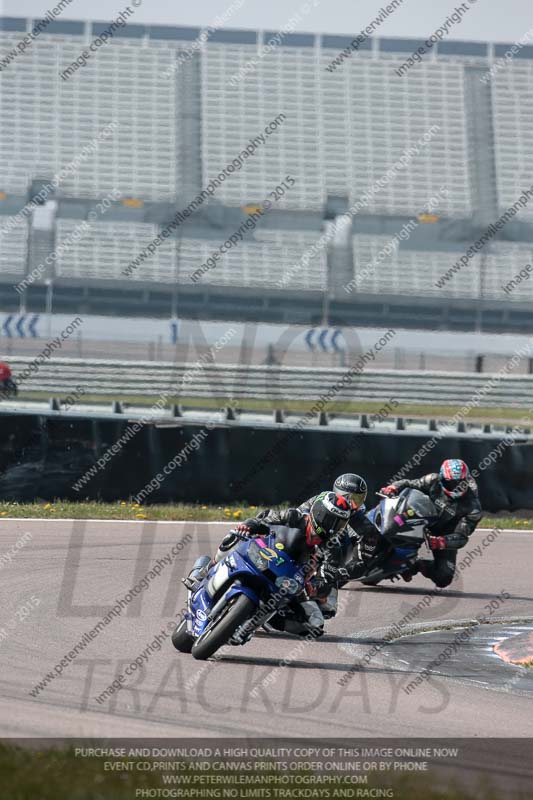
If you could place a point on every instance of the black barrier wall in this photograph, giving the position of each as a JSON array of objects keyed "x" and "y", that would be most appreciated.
[{"x": 69, "y": 458}]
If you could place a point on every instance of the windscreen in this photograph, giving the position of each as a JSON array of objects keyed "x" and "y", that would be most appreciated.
[{"x": 420, "y": 503}]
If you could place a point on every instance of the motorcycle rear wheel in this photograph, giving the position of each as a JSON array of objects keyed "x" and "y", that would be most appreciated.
[{"x": 239, "y": 609}]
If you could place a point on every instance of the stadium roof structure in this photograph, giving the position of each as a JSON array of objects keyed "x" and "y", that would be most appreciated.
[{"x": 379, "y": 45}]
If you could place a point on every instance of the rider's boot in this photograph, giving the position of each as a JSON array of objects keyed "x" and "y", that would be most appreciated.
[
  {"x": 198, "y": 572},
  {"x": 425, "y": 568},
  {"x": 409, "y": 574},
  {"x": 314, "y": 619},
  {"x": 356, "y": 568},
  {"x": 308, "y": 620},
  {"x": 328, "y": 605}
]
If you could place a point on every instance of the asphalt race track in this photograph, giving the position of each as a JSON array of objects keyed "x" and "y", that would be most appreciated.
[{"x": 59, "y": 583}]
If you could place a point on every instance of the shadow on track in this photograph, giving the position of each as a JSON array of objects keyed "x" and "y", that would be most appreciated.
[
  {"x": 321, "y": 665},
  {"x": 330, "y": 638},
  {"x": 431, "y": 592}
]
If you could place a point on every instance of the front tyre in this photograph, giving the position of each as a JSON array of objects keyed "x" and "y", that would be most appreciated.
[
  {"x": 239, "y": 609},
  {"x": 181, "y": 639}
]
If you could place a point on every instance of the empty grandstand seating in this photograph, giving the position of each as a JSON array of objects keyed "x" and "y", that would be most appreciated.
[
  {"x": 410, "y": 272},
  {"x": 46, "y": 121},
  {"x": 370, "y": 116},
  {"x": 108, "y": 248},
  {"x": 13, "y": 244},
  {"x": 275, "y": 257},
  {"x": 502, "y": 265},
  {"x": 413, "y": 272},
  {"x": 343, "y": 130},
  {"x": 512, "y": 89},
  {"x": 285, "y": 81}
]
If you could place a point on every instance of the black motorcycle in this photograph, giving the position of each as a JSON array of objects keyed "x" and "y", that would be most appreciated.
[{"x": 402, "y": 522}]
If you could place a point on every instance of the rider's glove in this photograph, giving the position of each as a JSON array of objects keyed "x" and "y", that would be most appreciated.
[
  {"x": 389, "y": 491},
  {"x": 243, "y": 529},
  {"x": 437, "y": 542},
  {"x": 326, "y": 573},
  {"x": 330, "y": 575},
  {"x": 342, "y": 575}
]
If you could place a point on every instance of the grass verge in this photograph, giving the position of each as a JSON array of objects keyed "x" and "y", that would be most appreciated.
[
  {"x": 64, "y": 509},
  {"x": 59, "y": 509}
]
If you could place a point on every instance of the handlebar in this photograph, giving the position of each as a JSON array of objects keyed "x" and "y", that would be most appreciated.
[{"x": 240, "y": 535}]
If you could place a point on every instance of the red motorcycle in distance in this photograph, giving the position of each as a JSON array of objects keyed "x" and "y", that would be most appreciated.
[{"x": 8, "y": 387}]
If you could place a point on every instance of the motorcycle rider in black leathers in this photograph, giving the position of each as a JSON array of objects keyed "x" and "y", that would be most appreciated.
[
  {"x": 359, "y": 543},
  {"x": 454, "y": 492},
  {"x": 306, "y": 533}
]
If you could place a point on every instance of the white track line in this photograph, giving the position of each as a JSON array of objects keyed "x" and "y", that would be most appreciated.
[{"x": 226, "y": 523}]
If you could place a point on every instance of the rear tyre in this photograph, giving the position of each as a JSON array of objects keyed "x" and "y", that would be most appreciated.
[
  {"x": 220, "y": 631},
  {"x": 181, "y": 639}
]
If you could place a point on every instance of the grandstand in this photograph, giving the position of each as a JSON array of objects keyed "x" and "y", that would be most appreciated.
[
  {"x": 108, "y": 247},
  {"x": 513, "y": 118},
  {"x": 47, "y": 121},
  {"x": 13, "y": 247},
  {"x": 409, "y": 271},
  {"x": 178, "y": 122}
]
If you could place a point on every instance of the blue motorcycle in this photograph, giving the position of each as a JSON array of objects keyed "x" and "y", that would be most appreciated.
[
  {"x": 402, "y": 522},
  {"x": 239, "y": 594}
]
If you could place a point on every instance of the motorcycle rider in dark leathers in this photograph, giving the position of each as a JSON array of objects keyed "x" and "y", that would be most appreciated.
[
  {"x": 327, "y": 517},
  {"x": 360, "y": 540},
  {"x": 454, "y": 492}
]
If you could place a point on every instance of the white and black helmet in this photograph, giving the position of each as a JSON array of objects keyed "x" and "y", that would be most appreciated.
[
  {"x": 352, "y": 487},
  {"x": 329, "y": 515}
]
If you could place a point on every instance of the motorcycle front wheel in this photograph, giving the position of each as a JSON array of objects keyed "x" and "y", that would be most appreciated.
[
  {"x": 181, "y": 639},
  {"x": 239, "y": 609}
]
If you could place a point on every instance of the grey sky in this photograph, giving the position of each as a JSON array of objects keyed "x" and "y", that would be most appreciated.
[{"x": 487, "y": 20}]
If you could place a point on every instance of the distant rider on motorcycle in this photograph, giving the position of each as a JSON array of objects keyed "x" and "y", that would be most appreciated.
[
  {"x": 360, "y": 539},
  {"x": 360, "y": 532},
  {"x": 454, "y": 492}
]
